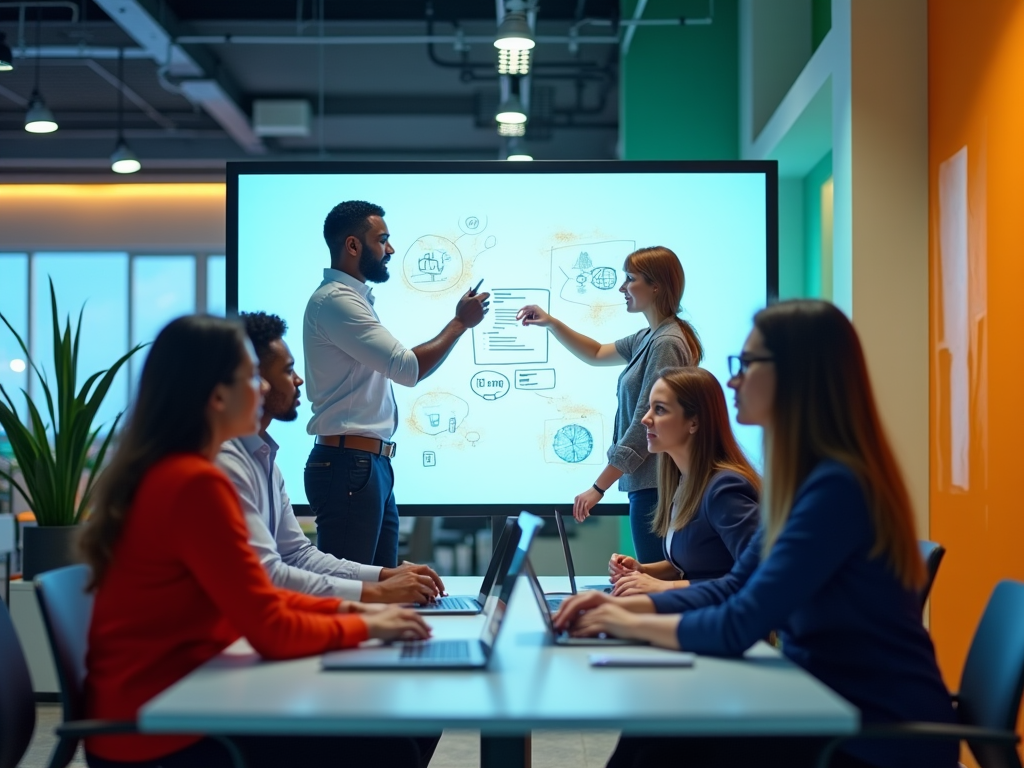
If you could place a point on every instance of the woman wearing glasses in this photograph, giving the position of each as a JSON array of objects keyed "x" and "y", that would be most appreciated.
[
  {"x": 835, "y": 567},
  {"x": 707, "y": 490},
  {"x": 654, "y": 288}
]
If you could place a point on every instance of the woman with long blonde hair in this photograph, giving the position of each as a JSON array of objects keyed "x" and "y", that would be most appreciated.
[
  {"x": 654, "y": 288},
  {"x": 707, "y": 490},
  {"x": 835, "y": 567}
]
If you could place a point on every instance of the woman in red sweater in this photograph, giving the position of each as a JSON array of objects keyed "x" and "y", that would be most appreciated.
[{"x": 175, "y": 579}]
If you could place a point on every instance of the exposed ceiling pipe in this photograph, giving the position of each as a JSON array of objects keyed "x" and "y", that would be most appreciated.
[
  {"x": 376, "y": 39},
  {"x": 215, "y": 95}
]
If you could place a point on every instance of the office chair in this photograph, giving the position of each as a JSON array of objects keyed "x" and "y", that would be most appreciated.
[
  {"x": 990, "y": 689},
  {"x": 17, "y": 702},
  {"x": 932, "y": 552},
  {"x": 67, "y": 611}
]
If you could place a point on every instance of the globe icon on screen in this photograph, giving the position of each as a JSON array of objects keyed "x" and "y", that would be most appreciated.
[
  {"x": 573, "y": 443},
  {"x": 603, "y": 278}
]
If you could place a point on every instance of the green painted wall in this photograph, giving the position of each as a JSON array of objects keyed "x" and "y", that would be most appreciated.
[
  {"x": 679, "y": 86},
  {"x": 812, "y": 272},
  {"x": 792, "y": 250},
  {"x": 821, "y": 21}
]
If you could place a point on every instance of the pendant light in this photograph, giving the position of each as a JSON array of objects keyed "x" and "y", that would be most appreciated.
[
  {"x": 123, "y": 160},
  {"x": 6, "y": 55},
  {"x": 39, "y": 118}
]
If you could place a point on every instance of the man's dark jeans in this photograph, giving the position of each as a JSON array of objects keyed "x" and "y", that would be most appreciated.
[{"x": 351, "y": 494}]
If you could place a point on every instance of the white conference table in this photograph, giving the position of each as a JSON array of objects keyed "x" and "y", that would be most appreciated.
[{"x": 529, "y": 685}]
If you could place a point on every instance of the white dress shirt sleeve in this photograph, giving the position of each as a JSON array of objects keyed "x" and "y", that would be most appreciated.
[
  {"x": 263, "y": 543},
  {"x": 350, "y": 325}
]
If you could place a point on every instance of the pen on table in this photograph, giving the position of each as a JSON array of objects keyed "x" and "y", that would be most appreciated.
[{"x": 473, "y": 292}]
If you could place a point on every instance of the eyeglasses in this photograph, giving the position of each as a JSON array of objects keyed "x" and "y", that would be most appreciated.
[{"x": 738, "y": 364}]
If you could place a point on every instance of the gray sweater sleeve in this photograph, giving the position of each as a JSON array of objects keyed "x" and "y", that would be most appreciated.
[{"x": 630, "y": 450}]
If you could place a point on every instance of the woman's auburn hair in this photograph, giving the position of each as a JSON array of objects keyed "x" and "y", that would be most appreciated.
[
  {"x": 713, "y": 449},
  {"x": 824, "y": 408},
  {"x": 660, "y": 267}
]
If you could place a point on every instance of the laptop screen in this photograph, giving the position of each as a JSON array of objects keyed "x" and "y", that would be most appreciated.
[
  {"x": 515, "y": 557},
  {"x": 565, "y": 551},
  {"x": 487, "y": 588}
]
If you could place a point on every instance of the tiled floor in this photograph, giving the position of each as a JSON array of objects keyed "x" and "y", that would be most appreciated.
[{"x": 458, "y": 749}]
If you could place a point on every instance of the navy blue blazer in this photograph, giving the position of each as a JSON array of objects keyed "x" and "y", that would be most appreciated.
[
  {"x": 841, "y": 614},
  {"x": 726, "y": 520}
]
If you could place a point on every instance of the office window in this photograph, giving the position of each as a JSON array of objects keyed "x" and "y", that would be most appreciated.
[
  {"x": 216, "y": 286},
  {"x": 97, "y": 285},
  {"x": 14, "y": 371},
  {"x": 163, "y": 288}
]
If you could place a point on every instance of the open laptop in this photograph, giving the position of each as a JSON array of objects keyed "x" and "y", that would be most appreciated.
[
  {"x": 548, "y": 605},
  {"x": 470, "y": 605},
  {"x": 570, "y": 569},
  {"x": 452, "y": 654}
]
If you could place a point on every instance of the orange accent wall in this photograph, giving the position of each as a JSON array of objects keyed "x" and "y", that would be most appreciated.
[{"x": 976, "y": 263}]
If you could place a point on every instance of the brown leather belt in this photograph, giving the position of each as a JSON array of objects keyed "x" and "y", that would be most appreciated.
[{"x": 359, "y": 443}]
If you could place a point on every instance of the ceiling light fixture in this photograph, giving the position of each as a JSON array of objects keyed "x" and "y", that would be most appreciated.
[
  {"x": 514, "y": 33},
  {"x": 123, "y": 160},
  {"x": 516, "y": 151},
  {"x": 6, "y": 55},
  {"x": 511, "y": 111},
  {"x": 39, "y": 118}
]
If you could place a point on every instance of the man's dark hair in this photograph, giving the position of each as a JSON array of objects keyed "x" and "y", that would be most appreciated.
[
  {"x": 263, "y": 330},
  {"x": 348, "y": 219}
]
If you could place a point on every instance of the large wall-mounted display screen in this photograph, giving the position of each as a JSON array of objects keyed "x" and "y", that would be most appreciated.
[{"x": 511, "y": 417}]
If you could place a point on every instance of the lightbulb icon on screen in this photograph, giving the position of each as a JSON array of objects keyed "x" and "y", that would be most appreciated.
[{"x": 473, "y": 438}]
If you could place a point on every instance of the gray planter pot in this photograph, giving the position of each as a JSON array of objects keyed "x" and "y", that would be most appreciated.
[{"x": 48, "y": 547}]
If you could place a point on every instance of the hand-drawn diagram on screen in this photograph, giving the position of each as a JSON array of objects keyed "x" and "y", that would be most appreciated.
[
  {"x": 589, "y": 273},
  {"x": 535, "y": 378},
  {"x": 501, "y": 339},
  {"x": 576, "y": 440},
  {"x": 490, "y": 385},
  {"x": 438, "y": 412},
  {"x": 433, "y": 264}
]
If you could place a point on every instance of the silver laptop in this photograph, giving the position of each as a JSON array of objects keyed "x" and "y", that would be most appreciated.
[
  {"x": 470, "y": 605},
  {"x": 555, "y": 597},
  {"x": 548, "y": 605},
  {"x": 452, "y": 654}
]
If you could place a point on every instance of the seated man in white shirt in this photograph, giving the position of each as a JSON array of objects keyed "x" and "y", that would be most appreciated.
[{"x": 274, "y": 532}]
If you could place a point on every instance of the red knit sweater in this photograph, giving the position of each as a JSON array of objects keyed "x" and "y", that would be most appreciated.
[{"x": 183, "y": 585}]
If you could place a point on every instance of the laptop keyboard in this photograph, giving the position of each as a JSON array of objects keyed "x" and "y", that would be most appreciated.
[
  {"x": 554, "y": 603},
  {"x": 435, "y": 649},
  {"x": 451, "y": 604}
]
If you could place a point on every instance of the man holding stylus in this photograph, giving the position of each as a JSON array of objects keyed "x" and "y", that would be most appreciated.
[{"x": 351, "y": 362}]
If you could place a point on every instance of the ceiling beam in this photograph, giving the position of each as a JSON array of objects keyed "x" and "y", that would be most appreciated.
[{"x": 154, "y": 28}]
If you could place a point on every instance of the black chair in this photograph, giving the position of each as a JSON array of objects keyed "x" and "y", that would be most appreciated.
[
  {"x": 991, "y": 687},
  {"x": 17, "y": 702},
  {"x": 67, "y": 611},
  {"x": 932, "y": 552}
]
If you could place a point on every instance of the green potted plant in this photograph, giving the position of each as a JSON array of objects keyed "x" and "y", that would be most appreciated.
[{"x": 53, "y": 453}]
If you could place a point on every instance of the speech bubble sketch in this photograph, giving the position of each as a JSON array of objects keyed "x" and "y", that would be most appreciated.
[
  {"x": 578, "y": 440},
  {"x": 535, "y": 378},
  {"x": 588, "y": 273},
  {"x": 490, "y": 385},
  {"x": 433, "y": 264},
  {"x": 473, "y": 224},
  {"x": 500, "y": 339},
  {"x": 438, "y": 412}
]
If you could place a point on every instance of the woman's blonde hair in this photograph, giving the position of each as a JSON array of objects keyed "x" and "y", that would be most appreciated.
[
  {"x": 825, "y": 409},
  {"x": 660, "y": 267},
  {"x": 713, "y": 448}
]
